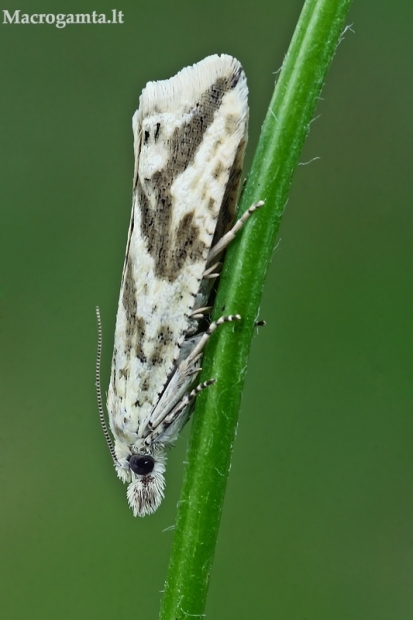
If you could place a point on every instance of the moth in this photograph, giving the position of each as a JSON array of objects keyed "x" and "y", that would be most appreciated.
[{"x": 190, "y": 134}]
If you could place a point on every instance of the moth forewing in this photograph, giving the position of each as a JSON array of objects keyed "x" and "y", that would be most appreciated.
[{"x": 189, "y": 139}]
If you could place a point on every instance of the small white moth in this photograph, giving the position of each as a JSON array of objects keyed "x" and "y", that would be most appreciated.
[{"x": 190, "y": 134}]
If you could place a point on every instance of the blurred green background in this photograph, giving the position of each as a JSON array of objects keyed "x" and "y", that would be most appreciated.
[{"x": 318, "y": 520}]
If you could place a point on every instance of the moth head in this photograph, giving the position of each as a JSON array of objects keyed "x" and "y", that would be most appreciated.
[{"x": 146, "y": 489}]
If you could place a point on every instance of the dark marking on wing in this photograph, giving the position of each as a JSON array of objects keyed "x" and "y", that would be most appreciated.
[
  {"x": 135, "y": 325},
  {"x": 164, "y": 338},
  {"x": 165, "y": 334},
  {"x": 218, "y": 170},
  {"x": 211, "y": 204},
  {"x": 157, "y": 357},
  {"x": 129, "y": 302},
  {"x": 229, "y": 201},
  {"x": 124, "y": 373},
  {"x": 231, "y": 124},
  {"x": 169, "y": 253},
  {"x": 140, "y": 338},
  {"x": 114, "y": 373}
]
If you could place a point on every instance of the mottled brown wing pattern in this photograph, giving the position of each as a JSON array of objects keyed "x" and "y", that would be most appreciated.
[{"x": 189, "y": 140}]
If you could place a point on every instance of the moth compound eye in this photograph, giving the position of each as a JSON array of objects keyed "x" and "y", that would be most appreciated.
[{"x": 141, "y": 465}]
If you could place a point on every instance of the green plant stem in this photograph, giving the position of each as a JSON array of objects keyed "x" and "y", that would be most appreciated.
[{"x": 213, "y": 429}]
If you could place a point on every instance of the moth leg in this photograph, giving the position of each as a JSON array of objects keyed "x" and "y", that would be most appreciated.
[
  {"x": 187, "y": 399},
  {"x": 260, "y": 323},
  {"x": 176, "y": 417},
  {"x": 194, "y": 355},
  {"x": 212, "y": 272},
  {"x": 199, "y": 313},
  {"x": 230, "y": 235}
]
